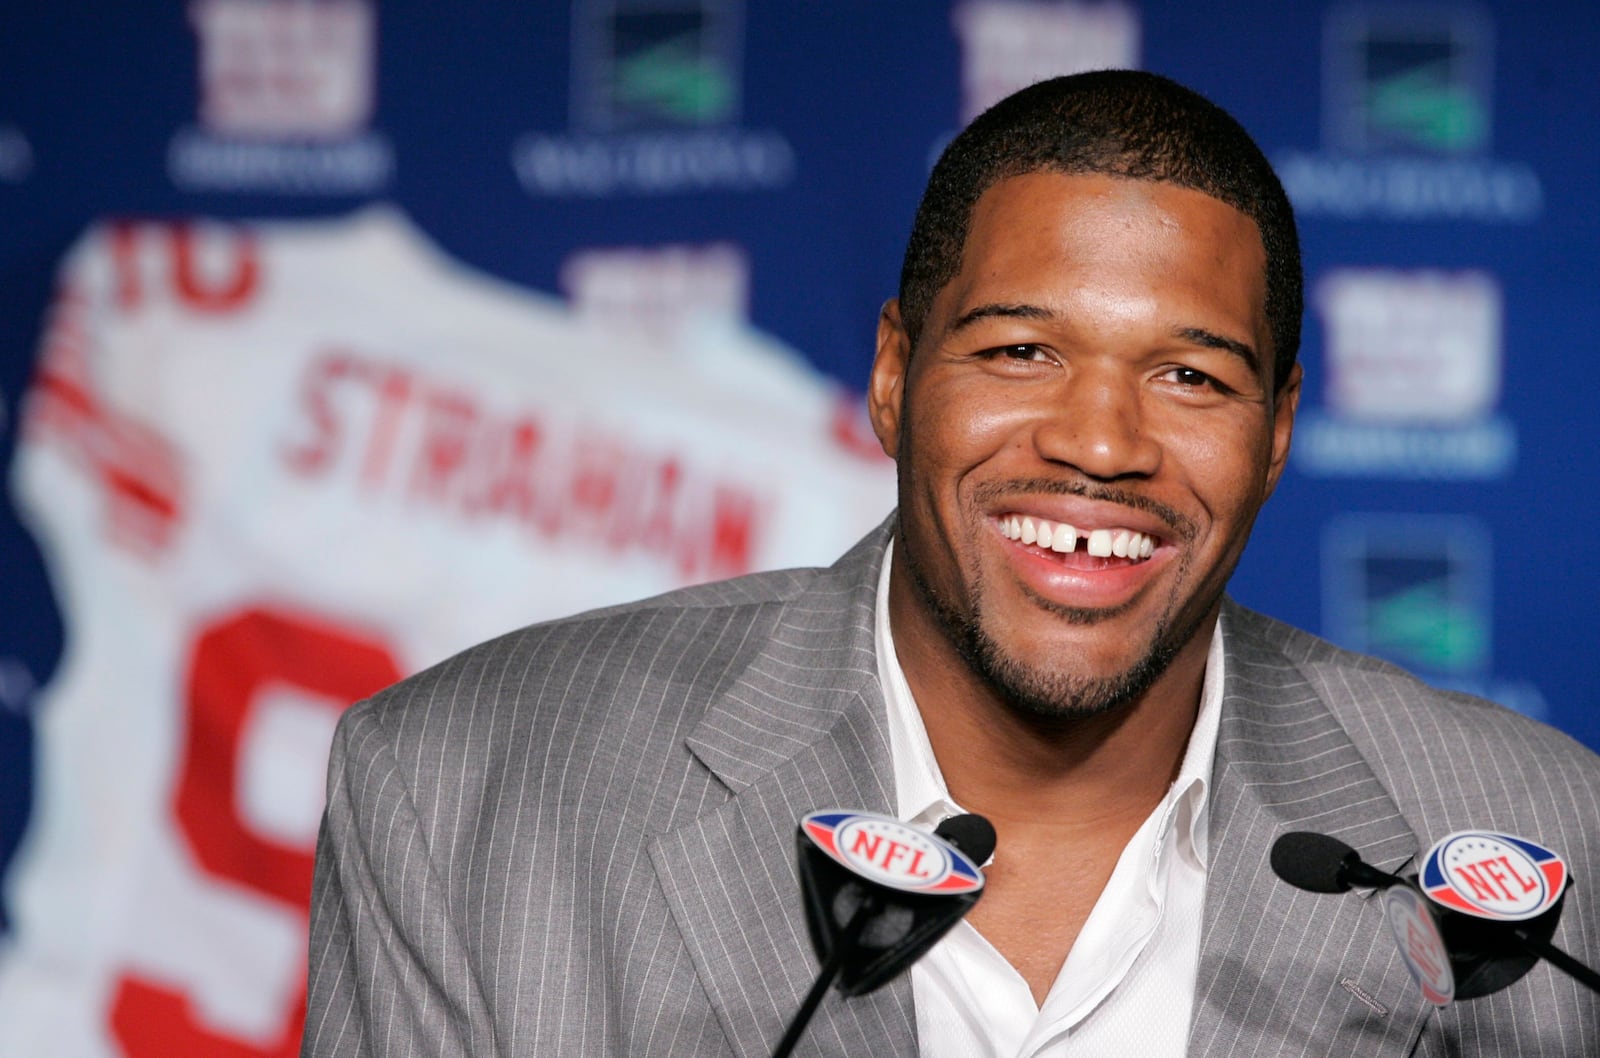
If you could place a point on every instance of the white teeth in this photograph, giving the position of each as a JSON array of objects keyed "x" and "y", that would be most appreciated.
[{"x": 1063, "y": 538}]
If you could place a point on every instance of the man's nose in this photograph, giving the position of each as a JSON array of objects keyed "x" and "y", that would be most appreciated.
[{"x": 1096, "y": 423}]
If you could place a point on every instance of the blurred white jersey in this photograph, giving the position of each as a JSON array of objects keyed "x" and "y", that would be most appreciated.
[{"x": 275, "y": 467}]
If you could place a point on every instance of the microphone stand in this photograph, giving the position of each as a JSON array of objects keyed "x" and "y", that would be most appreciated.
[
  {"x": 844, "y": 947},
  {"x": 1556, "y": 957}
]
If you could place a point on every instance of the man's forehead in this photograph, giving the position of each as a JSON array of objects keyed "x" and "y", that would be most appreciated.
[
  {"x": 1029, "y": 227},
  {"x": 1049, "y": 184},
  {"x": 1051, "y": 213}
]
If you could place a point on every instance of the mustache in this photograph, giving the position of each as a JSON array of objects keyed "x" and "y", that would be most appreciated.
[{"x": 1182, "y": 527}]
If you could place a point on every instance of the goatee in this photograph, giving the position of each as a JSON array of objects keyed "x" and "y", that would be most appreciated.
[{"x": 1053, "y": 696}]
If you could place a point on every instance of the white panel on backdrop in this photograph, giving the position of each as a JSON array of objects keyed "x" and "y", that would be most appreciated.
[
  {"x": 287, "y": 93},
  {"x": 285, "y": 69},
  {"x": 1007, "y": 45},
  {"x": 664, "y": 290},
  {"x": 1414, "y": 364},
  {"x": 1412, "y": 346}
]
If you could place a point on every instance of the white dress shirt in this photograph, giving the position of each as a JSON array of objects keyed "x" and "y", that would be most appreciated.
[{"x": 1127, "y": 986}]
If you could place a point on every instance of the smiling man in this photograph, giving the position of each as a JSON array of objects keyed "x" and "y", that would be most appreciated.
[
  {"x": 1085, "y": 425},
  {"x": 579, "y": 839}
]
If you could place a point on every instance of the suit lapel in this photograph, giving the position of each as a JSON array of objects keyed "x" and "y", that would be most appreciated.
[
  {"x": 802, "y": 728},
  {"x": 1284, "y": 972}
]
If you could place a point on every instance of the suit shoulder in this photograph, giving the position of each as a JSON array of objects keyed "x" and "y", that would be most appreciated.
[
  {"x": 692, "y": 638},
  {"x": 638, "y": 674},
  {"x": 591, "y": 716},
  {"x": 588, "y": 715}
]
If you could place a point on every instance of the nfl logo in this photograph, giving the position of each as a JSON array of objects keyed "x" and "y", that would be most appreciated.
[
  {"x": 892, "y": 853},
  {"x": 885, "y": 889},
  {"x": 1493, "y": 876},
  {"x": 1421, "y": 946}
]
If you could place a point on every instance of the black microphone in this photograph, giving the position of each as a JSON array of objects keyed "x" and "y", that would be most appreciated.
[
  {"x": 878, "y": 893},
  {"x": 971, "y": 833},
  {"x": 1321, "y": 863},
  {"x": 1452, "y": 947}
]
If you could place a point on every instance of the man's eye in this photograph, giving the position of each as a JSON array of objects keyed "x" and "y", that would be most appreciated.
[
  {"x": 1020, "y": 352},
  {"x": 1188, "y": 376}
]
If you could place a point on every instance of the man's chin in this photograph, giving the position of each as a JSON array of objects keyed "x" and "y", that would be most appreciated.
[
  {"x": 1049, "y": 695},
  {"x": 1078, "y": 671}
]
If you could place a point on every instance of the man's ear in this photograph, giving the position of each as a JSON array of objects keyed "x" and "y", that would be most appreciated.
[
  {"x": 1285, "y": 403},
  {"x": 887, "y": 387}
]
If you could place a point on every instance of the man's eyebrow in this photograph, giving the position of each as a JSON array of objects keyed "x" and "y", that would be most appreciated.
[
  {"x": 1005, "y": 311},
  {"x": 1201, "y": 336},
  {"x": 1196, "y": 335}
]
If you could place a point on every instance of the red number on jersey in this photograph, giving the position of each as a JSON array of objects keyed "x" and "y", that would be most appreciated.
[
  {"x": 226, "y": 285},
  {"x": 234, "y": 661}
]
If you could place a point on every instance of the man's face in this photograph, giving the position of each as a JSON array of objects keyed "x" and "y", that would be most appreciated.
[{"x": 1101, "y": 362}]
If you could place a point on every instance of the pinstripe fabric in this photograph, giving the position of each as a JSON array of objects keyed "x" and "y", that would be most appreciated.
[
  {"x": 1314, "y": 738},
  {"x": 578, "y": 839}
]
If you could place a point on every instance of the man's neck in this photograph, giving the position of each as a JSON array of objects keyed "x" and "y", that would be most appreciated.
[
  {"x": 1065, "y": 798},
  {"x": 1114, "y": 764}
]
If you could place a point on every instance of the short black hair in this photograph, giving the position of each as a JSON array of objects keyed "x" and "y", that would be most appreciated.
[{"x": 1125, "y": 123}]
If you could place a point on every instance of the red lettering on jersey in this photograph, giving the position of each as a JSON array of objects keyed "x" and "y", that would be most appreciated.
[
  {"x": 597, "y": 463},
  {"x": 733, "y": 532},
  {"x": 213, "y": 294},
  {"x": 851, "y": 429},
  {"x": 659, "y": 522},
  {"x": 451, "y": 419},
  {"x": 394, "y": 392},
  {"x": 403, "y": 435},
  {"x": 510, "y": 456},
  {"x": 233, "y": 661},
  {"x": 155, "y": 1022},
  {"x": 125, "y": 265},
  {"x": 323, "y": 374},
  {"x": 230, "y": 284}
]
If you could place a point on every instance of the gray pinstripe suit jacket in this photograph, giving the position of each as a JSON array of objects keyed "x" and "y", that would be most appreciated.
[{"x": 578, "y": 840}]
